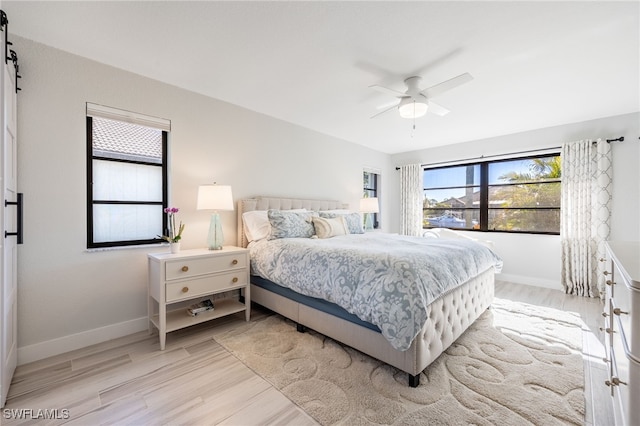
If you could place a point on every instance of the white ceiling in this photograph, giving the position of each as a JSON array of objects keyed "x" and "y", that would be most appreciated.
[{"x": 535, "y": 64}]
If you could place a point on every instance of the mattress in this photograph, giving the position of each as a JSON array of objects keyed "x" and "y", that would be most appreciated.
[{"x": 312, "y": 302}]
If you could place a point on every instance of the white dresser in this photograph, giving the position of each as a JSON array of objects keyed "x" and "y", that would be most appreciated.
[
  {"x": 622, "y": 329},
  {"x": 189, "y": 276}
]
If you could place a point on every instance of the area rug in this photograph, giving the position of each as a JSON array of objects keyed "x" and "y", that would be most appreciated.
[{"x": 517, "y": 364}]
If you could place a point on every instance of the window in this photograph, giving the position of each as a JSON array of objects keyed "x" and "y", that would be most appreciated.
[
  {"x": 370, "y": 190},
  {"x": 126, "y": 177},
  {"x": 515, "y": 195}
]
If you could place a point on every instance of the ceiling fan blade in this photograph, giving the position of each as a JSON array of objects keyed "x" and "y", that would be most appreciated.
[
  {"x": 383, "y": 111},
  {"x": 387, "y": 91},
  {"x": 436, "y": 109},
  {"x": 445, "y": 86},
  {"x": 387, "y": 105}
]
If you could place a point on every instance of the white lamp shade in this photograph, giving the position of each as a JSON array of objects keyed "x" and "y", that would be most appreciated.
[
  {"x": 215, "y": 197},
  {"x": 369, "y": 205},
  {"x": 409, "y": 108}
]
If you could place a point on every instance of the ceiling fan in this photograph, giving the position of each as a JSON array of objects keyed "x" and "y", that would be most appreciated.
[{"x": 415, "y": 102}]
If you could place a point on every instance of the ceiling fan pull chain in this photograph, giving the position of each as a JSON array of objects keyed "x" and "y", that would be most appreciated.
[{"x": 414, "y": 126}]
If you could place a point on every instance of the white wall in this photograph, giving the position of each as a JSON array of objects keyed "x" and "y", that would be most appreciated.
[
  {"x": 535, "y": 259},
  {"x": 68, "y": 297}
]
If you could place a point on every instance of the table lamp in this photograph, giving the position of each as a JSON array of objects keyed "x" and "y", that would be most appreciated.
[
  {"x": 215, "y": 197},
  {"x": 367, "y": 206}
]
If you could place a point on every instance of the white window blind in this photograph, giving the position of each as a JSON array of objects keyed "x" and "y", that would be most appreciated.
[{"x": 95, "y": 110}]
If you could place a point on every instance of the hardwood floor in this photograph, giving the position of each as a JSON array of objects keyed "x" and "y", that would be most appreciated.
[{"x": 196, "y": 381}]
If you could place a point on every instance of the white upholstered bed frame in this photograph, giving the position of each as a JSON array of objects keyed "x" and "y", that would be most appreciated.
[{"x": 447, "y": 317}]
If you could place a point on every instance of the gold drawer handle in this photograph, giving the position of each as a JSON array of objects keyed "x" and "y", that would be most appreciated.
[
  {"x": 234, "y": 262},
  {"x": 185, "y": 289},
  {"x": 235, "y": 279},
  {"x": 618, "y": 311},
  {"x": 614, "y": 382},
  {"x": 185, "y": 268}
]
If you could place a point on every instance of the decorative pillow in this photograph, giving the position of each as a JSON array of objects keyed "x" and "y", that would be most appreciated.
[
  {"x": 353, "y": 220},
  {"x": 327, "y": 228},
  {"x": 256, "y": 224},
  {"x": 287, "y": 224}
]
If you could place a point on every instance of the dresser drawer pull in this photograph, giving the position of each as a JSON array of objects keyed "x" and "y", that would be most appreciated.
[
  {"x": 185, "y": 289},
  {"x": 234, "y": 262},
  {"x": 604, "y": 314},
  {"x": 235, "y": 279},
  {"x": 614, "y": 382},
  {"x": 185, "y": 268},
  {"x": 618, "y": 311},
  {"x": 606, "y": 272},
  {"x": 609, "y": 282},
  {"x": 602, "y": 259},
  {"x": 607, "y": 330}
]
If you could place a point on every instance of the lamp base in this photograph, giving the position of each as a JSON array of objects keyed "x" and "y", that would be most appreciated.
[
  {"x": 215, "y": 237},
  {"x": 368, "y": 222}
]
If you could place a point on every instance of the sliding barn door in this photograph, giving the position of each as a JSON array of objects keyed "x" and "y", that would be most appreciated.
[{"x": 11, "y": 220}]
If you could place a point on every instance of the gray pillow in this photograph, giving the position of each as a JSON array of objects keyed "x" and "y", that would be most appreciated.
[
  {"x": 286, "y": 224},
  {"x": 354, "y": 221}
]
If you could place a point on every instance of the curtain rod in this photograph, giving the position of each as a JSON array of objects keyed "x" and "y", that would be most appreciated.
[{"x": 482, "y": 157}]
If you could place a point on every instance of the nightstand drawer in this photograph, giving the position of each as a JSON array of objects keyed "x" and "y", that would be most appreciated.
[
  {"x": 189, "y": 289},
  {"x": 199, "y": 266}
]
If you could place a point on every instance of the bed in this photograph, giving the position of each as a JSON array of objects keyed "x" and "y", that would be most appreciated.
[{"x": 446, "y": 316}]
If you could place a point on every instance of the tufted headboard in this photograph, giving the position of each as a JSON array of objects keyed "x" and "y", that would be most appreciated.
[{"x": 266, "y": 203}]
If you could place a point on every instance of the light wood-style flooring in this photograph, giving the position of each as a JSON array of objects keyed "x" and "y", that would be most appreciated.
[{"x": 196, "y": 381}]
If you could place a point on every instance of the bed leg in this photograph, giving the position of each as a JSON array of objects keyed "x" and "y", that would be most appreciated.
[
  {"x": 414, "y": 381},
  {"x": 300, "y": 328}
]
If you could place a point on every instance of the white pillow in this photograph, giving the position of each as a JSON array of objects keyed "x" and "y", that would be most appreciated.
[
  {"x": 256, "y": 224},
  {"x": 330, "y": 227}
]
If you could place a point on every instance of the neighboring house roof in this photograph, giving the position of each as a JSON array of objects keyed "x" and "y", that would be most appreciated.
[
  {"x": 118, "y": 139},
  {"x": 455, "y": 202}
]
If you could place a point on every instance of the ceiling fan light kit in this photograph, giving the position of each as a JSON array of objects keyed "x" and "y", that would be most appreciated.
[
  {"x": 416, "y": 102},
  {"x": 411, "y": 108}
]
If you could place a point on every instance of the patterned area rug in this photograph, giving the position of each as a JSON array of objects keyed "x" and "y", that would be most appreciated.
[{"x": 517, "y": 364}]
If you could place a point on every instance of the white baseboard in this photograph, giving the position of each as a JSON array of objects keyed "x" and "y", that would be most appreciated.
[
  {"x": 536, "y": 282},
  {"x": 38, "y": 351}
]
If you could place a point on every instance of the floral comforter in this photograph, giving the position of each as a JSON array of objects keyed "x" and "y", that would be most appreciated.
[{"x": 386, "y": 280}]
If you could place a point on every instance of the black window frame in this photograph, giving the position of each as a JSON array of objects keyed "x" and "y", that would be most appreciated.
[
  {"x": 91, "y": 202},
  {"x": 371, "y": 192},
  {"x": 484, "y": 186}
]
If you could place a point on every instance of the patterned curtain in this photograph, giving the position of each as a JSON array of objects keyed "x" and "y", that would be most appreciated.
[
  {"x": 411, "y": 199},
  {"x": 586, "y": 210}
]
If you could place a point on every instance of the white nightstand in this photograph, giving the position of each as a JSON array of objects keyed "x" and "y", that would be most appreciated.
[{"x": 193, "y": 275}]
